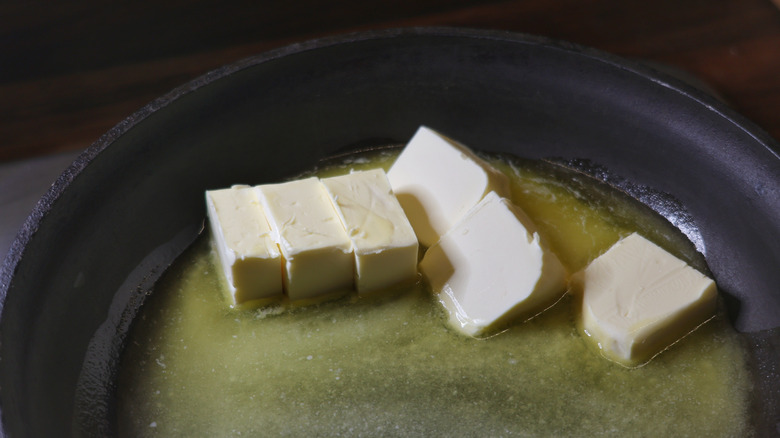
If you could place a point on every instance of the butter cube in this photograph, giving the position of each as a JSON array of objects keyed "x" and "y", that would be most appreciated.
[
  {"x": 637, "y": 299},
  {"x": 383, "y": 240},
  {"x": 492, "y": 268},
  {"x": 437, "y": 180},
  {"x": 316, "y": 250},
  {"x": 250, "y": 258}
]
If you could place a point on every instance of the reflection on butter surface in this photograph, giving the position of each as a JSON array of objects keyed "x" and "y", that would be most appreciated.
[
  {"x": 249, "y": 256},
  {"x": 637, "y": 299},
  {"x": 384, "y": 242},
  {"x": 389, "y": 366},
  {"x": 315, "y": 247},
  {"x": 437, "y": 180},
  {"x": 492, "y": 268}
]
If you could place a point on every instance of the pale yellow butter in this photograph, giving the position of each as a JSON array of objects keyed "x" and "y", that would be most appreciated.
[
  {"x": 250, "y": 259},
  {"x": 492, "y": 268},
  {"x": 437, "y": 180},
  {"x": 637, "y": 299},
  {"x": 315, "y": 247},
  {"x": 383, "y": 241}
]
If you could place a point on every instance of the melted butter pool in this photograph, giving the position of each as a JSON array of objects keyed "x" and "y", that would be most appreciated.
[{"x": 389, "y": 366}]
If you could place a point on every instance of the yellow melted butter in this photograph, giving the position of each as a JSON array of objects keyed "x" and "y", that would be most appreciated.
[{"x": 389, "y": 366}]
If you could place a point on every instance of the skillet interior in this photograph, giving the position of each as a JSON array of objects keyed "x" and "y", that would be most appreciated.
[{"x": 94, "y": 245}]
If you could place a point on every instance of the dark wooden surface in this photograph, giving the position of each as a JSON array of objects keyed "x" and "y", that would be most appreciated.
[{"x": 71, "y": 70}]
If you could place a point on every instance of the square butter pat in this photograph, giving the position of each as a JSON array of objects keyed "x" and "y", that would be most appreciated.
[
  {"x": 384, "y": 242},
  {"x": 492, "y": 268},
  {"x": 437, "y": 180},
  {"x": 637, "y": 299},
  {"x": 250, "y": 258},
  {"x": 315, "y": 247}
]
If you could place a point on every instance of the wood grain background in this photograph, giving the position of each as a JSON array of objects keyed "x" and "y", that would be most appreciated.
[{"x": 69, "y": 71}]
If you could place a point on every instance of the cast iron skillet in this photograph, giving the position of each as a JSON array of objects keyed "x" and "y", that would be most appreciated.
[{"x": 94, "y": 245}]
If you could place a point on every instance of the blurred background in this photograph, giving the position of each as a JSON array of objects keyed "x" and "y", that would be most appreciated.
[{"x": 69, "y": 71}]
